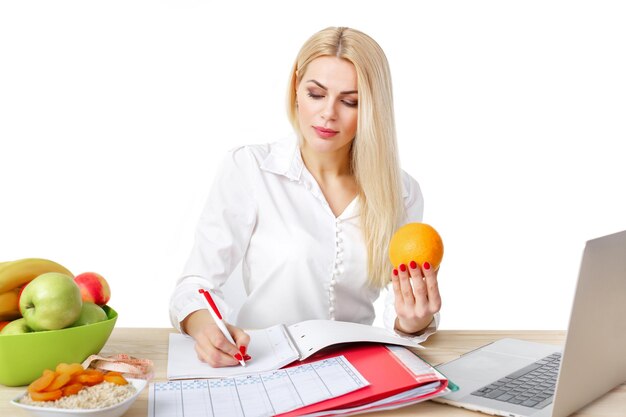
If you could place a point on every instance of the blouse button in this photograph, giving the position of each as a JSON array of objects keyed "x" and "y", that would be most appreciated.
[
  {"x": 339, "y": 261},
  {"x": 339, "y": 240},
  {"x": 339, "y": 249},
  {"x": 331, "y": 310},
  {"x": 332, "y": 282}
]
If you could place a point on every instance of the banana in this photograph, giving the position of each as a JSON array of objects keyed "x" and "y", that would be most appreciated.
[
  {"x": 19, "y": 273},
  {"x": 9, "y": 308}
]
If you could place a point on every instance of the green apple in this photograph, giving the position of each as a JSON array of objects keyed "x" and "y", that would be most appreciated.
[
  {"x": 90, "y": 313},
  {"x": 17, "y": 326},
  {"x": 51, "y": 301}
]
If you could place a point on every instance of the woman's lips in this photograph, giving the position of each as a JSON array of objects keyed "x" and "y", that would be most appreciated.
[{"x": 324, "y": 133}]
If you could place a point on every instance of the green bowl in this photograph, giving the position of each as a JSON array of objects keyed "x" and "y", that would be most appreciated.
[{"x": 23, "y": 357}]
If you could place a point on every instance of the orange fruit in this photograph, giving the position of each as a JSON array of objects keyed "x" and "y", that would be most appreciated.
[{"x": 417, "y": 242}]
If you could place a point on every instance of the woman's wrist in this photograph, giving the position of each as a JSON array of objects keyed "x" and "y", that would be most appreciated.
[
  {"x": 195, "y": 321},
  {"x": 415, "y": 327}
]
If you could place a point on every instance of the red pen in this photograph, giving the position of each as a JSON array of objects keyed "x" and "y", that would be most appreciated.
[{"x": 217, "y": 317}]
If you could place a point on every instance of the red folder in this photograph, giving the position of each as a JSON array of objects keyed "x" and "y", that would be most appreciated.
[{"x": 386, "y": 374}]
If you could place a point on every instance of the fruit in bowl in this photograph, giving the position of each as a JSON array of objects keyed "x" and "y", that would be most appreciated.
[
  {"x": 17, "y": 326},
  {"x": 93, "y": 287},
  {"x": 53, "y": 323},
  {"x": 89, "y": 314},
  {"x": 14, "y": 274},
  {"x": 23, "y": 357},
  {"x": 51, "y": 301}
]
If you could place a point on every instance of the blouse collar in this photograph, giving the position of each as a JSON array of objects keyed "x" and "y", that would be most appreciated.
[{"x": 284, "y": 158}]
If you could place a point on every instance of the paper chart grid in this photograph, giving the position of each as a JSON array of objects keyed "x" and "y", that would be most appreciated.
[{"x": 256, "y": 395}]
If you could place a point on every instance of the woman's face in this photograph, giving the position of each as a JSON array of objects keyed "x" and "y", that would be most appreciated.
[{"x": 327, "y": 101}]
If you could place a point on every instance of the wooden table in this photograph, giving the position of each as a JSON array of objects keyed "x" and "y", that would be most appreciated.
[{"x": 441, "y": 347}]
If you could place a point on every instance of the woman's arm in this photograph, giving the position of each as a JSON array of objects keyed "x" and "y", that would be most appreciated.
[
  {"x": 413, "y": 300},
  {"x": 222, "y": 237}
]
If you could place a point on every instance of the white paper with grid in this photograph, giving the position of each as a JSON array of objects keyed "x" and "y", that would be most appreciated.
[{"x": 256, "y": 395}]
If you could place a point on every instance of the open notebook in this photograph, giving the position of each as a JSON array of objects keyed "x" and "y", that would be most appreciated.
[{"x": 277, "y": 346}]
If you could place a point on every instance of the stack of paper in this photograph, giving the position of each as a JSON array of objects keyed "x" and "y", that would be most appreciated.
[
  {"x": 329, "y": 368},
  {"x": 396, "y": 376}
]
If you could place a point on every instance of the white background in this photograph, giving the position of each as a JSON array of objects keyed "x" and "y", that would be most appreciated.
[{"x": 511, "y": 115}]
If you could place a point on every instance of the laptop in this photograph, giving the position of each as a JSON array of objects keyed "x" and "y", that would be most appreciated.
[{"x": 514, "y": 378}]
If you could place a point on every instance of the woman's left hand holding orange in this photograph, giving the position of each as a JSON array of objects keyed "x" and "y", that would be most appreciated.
[{"x": 417, "y": 297}]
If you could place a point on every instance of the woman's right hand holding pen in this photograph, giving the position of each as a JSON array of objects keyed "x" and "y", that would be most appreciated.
[{"x": 212, "y": 346}]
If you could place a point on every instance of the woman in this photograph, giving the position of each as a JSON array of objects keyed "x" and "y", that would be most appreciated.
[{"x": 311, "y": 216}]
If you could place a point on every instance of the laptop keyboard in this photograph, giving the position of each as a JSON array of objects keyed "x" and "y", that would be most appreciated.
[{"x": 532, "y": 386}]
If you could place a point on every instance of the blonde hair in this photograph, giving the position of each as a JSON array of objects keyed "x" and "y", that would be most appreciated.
[{"x": 374, "y": 154}]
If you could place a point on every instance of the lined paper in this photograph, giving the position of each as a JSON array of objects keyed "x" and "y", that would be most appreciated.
[{"x": 271, "y": 349}]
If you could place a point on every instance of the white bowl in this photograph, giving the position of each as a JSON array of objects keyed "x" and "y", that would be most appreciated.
[{"x": 112, "y": 411}]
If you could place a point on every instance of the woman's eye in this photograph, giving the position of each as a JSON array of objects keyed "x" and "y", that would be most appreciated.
[
  {"x": 314, "y": 96},
  {"x": 351, "y": 103}
]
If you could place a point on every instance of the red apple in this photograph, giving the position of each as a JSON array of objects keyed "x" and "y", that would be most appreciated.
[
  {"x": 3, "y": 323},
  {"x": 93, "y": 288}
]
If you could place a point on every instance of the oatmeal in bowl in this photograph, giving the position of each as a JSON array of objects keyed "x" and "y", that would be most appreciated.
[{"x": 70, "y": 391}]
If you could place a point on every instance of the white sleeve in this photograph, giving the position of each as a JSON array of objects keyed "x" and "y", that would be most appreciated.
[
  {"x": 414, "y": 205},
  {"x": 222, "y": 236}
]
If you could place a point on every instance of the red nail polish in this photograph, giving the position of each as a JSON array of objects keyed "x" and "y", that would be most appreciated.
[
  {"x": 413, "y": 265},
  {"x": 426, "y": 265},
  {"x": 238, "y": 357},
  {"x": 402, "y": 267},
  {"x": 395, "y": 272},
  {"x": 247, "y": 357},
  {"x": 242, "y": 349}
]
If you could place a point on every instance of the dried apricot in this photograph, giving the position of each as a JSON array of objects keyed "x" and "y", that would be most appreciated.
[
  {"x": 115, "y": 379},
  {"x": 42, "y": 382},
  {"x": 90, "y": 377},
  {"x": 72, "y": 368},
  {"x": 72, "y": 389},
  {"x": 59, "y": 382},
  {"x": 46, "y": 396}
]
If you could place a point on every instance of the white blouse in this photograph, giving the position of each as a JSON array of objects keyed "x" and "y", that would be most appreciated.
[{"x": 299, "y": 261}]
